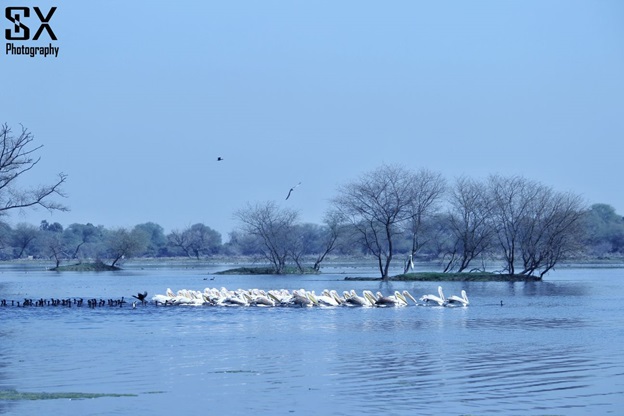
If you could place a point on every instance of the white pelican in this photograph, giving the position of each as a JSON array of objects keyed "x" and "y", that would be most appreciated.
[
  {"x": 162, "y": 299},
  {"x": 352, "y": 299},
  {"x": 372, "y": 299},
  {"x": 259, "y": 298},
  {"x": 456, "y": 300},
  {"x": 408, "y": 295},
  {"x": 301, "y": 299},
  {"x": 235, "y": 299},
  {"x": 336, "y": 296},
  {"x": 440, "y": 300},
  {"x": 189, "y": 297},
  {"x": 325, "y": 299},
  {"x": 279, "y": 298},
  {"x": 401, "y": 298},
  {"x": 395, "y": 300}
]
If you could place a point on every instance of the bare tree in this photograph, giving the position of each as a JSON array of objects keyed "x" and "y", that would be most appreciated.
[
  {"x": 511, "y": 202},
  {"x": 534, "y": 224},
  {"x": 377, "y": 205},
  {"x": 122, "y": 244},
  {"x": 17, "y": 157},
  {"x": 196, "y": 240},
  {"x": 334, "y": 230},
  {"x": 180, "y": 239},
  {"x": 53, "y": 246},
  {"x": 427, "y": 189},
  {"x": 470, "y": 222},
  {"x": 273, "y": 226},
  {"x": 23, "y": 237},
  {"x": 298, "y": 244},
  {"x": 552, "y": 230}
]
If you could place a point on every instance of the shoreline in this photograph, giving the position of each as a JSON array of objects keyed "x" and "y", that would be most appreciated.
[{"x": 353, "y": 268}]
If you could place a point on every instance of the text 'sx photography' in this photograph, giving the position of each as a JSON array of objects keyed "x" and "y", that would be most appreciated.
[{"x": 29, "y": 32}]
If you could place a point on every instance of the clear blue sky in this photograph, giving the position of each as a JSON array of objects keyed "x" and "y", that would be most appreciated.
[{"x": 145, "y": 95}]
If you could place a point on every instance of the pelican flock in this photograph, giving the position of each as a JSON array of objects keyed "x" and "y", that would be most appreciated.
[
  {"x": 260, "y": 298},
  {"x": 302, "y": 298}
]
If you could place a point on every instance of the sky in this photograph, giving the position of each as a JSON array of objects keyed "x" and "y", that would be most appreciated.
[{"x": 145, "y": 95}]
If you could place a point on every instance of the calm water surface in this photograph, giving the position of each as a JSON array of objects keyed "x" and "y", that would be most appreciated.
[{"x": 555, "y": 347}]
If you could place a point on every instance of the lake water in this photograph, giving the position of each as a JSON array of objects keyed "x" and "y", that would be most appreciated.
[{"x": 554, "y": 348}]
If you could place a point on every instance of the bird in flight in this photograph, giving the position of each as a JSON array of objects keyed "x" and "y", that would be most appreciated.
[
  {"x": 141, "y": 297},
  {"x": 219, "y": 159},
  {"x": 292, "y": 189}
]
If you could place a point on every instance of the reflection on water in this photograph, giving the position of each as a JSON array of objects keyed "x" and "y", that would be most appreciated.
[
  {"x": 553, "y": 348},
  {"x": 463, "y": 381}
]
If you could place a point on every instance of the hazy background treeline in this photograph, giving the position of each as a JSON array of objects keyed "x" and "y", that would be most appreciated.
[
  {"x": 602, "y": 238},
  {"x": 393, "y": 213}
]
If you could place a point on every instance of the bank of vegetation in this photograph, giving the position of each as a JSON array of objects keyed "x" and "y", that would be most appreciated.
[
  {"x": 393, "y": 214},
  {"x": 296, "y": 247}
]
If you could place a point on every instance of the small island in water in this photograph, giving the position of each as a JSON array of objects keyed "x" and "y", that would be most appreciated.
[
  {"x": 454, "y": 277},
  {"x": 97, "y": 266},
  {"x": 268, "y": 270},
  {"x": 472, "y": 276},
  {"x": 418, "y": 276}
]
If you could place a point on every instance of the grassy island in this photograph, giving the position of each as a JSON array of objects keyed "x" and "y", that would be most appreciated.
[
  {"x": 455, "y": 277},
  {"x": 268, "y": 270},
  {"x": 85, "y": 267},
  {"x": 420, "y": 276}
]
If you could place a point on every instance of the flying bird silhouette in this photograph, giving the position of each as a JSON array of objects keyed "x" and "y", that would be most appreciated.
[
  {"x": 292, "y": 189},
  {"x": 219, "y": 159}
]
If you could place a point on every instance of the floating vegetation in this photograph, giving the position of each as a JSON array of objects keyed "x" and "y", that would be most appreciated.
[{"x": 16, "y": 395}]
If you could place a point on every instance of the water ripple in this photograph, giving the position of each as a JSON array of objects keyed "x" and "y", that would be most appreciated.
[{"x": 540, "y": 354}]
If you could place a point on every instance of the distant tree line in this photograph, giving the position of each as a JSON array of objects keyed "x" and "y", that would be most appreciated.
[
  {"x": 463, "y": 233},
  {"x": 522, "y": 225},
  {"x": 90, "y": 242}
]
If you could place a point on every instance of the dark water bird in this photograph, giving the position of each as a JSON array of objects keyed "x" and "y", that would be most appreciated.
[
  {"x": 292, "y": 189},
  {"x": 219, "y": 159},
  {"x": 141, "y": 297}
]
